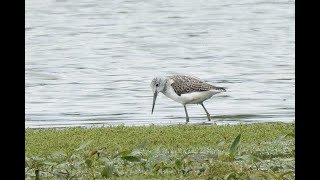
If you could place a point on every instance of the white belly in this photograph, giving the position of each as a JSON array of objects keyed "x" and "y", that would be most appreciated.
[{"x": 190, "y": 98}]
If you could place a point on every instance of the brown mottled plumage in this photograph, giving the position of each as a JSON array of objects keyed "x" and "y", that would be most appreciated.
[{"x": 187, "y": 84}]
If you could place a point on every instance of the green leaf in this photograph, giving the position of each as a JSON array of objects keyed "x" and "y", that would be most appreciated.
[
  {"x": 94, "y": 152},
  {"x": 229, "y": 176},
  {"x": 290, "y": 135},
  {"x": 235, "y": 144},
  {"x": 231, "y": 155},
  {"x": 131, "y": 158},
  {"x": 280, "y": 138},
  {"x": 82, "y": 146},
  {"x": 157, "y": 167},
  {"x": 178, "y": 163},
  {"x": 107, "y": 171},
  {"x": 223, "y": 156},
  {"x": 88, "y": 162},
  {"x": 122, "y": 153},
  {"x": 276, "y": 168}
]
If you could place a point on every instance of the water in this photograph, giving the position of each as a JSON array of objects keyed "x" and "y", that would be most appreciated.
[{"x": 90, "y": 63}]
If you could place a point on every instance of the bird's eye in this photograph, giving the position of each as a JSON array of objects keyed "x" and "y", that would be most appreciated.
[{"x": 157, "y": 85}]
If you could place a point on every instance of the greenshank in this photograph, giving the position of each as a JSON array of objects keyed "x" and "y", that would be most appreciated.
[{"x": 184, "y": 89}]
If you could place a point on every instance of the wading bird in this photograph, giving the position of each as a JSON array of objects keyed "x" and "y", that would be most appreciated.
[{"x": 185, "y": 90}]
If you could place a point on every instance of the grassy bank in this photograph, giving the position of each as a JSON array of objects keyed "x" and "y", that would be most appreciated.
[{"x": 262, "y": 150}]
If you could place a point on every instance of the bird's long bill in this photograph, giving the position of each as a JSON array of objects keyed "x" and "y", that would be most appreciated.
[{"x": 154, "y": 100}]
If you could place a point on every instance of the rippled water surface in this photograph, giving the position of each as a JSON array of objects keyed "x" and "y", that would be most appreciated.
[{"x": 90, "y": 62}]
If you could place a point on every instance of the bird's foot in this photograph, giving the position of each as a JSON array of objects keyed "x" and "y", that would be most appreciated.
[{"x": 209, "y": 118}]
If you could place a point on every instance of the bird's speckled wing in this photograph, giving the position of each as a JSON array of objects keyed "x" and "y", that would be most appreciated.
[{"x": 186, "y": 84}]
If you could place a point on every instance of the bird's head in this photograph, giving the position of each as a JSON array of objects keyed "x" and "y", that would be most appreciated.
[{"x": 157, "y": 85}]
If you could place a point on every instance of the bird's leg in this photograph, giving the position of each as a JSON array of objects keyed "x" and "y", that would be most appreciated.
[
  {"x": 187, "y": 117},
  {"x": 208, "y": 115}
]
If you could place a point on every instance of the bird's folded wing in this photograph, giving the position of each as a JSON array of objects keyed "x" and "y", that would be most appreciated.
[{"x": 186, "y": 84}]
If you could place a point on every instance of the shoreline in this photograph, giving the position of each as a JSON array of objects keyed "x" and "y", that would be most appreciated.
[
  {"x": 163, "y": 152},
  {"x": 148, "y": 125}
]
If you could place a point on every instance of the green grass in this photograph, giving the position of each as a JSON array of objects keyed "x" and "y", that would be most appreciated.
[{"x": 262, "y": 151}]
